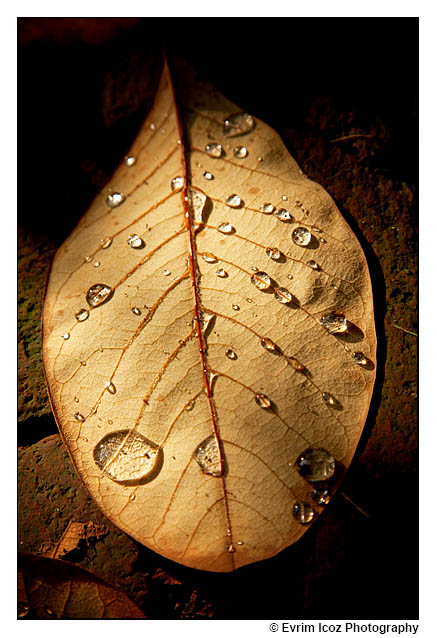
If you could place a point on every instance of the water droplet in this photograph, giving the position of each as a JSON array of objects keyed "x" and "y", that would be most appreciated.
[
  {"x": 177, "y": 183},
  {"x": 273, "y": 253},
  {"x": 320, "y": 496},
  {"x": 238, "y": 124},
  {"x": 76, "y": 400},
  {"x": 261, "y": 280},
  {"x": 235, "y": 307},
  {"x": 316, "y": 464},
  {"x": 207, "y": 454},
  {"x": 297, "y": 365},
  {"x": 82, "y": 363},
  {"x": 313, "y": 264},
  {"x": 267, "y": 208},
  {"x": 49, "y": 612},
  {"x": 214, "y": 149},
  {"x": 196, "y": 204},
  {"x": 135, "y": 241},
  {"x": 79, "y": 417},
  {"x": 152, "y": 126},
  {"x": 208, "y": 175},
  {"x": 262, "y": 400},
  {"x": 87, "y": 260},
  {"x": 360, "y": 359},
  {"x": 106, "y": 242},
  {"x": 303, "y": 512},
  {"x": 98, "y": 294},
  {"x": 136, "y": 310},
  {"x": 82, "y": 314},
  {"x": 209, "y": 258},
  {"x": 301, "y": 236},
  {"x": 260, "y": 159},
  {"x": 127, "y": 457},
  {"x": 22, "y": 609},
  {"x": 225, "y": 228},
  {"x": 249, "y": 300},
  {"x": 230, "y": 548},
  {"x": 115, "y": 199},
  {"x": 283, "y": 295},
  {"x": 66, "y": 336},
  {"x": 328, "y": 398},
  {"x": 132, "y": 497},
  {"x": 110, "y": 387},
  {"x": 206, "y": 319},
  {"x": 234, "y": 201},
  {"x": 231, "y": 354},
  {"x": 130, "y": 160},
  {"x": 268, "y": 344},
  {"x": 284, "y": 198},
  {"x": 322, "y": 240},
  {"x": 284, "y": 215},
  {"x": 189, "y": 406},
  {"x": 240, "y": 152},
  {"x": 334, "y": 323},
  {"x": 166, "y": 272},
  {"x": 221, "y": 273},
  {"x": 96, "y": 264}
]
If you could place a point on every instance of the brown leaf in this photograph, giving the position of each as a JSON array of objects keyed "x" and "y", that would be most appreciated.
[
  {"x": 73, "y": 534},
  {"x": 207, "y": 323},
  {"x": 49, "y": 588}
]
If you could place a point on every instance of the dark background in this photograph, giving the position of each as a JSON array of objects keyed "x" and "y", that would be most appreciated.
[{"x": 84, "y": 86}]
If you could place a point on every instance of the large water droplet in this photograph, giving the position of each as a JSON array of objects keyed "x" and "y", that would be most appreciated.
[
  {"x": 105, "y": 242},
  {"x": 115, "y": 199},
  {"x": 82, "y": 314},
  {"x": 313, "y": 264},
  {"x": 234, "y": 201},
  {"x": 231, "y": 354},
  {"x": 360, "y": 359},
  {"x": 240, "y": 152},
  {"x": 303, "y": 512},
  {"x": 110, "y": 387},
  {"x": 262, "y": 401},
  {"x": 261, "y": 280},
  {"x": 320, "y": 496},
  {"x": 98, "y": 294},
  {"x": 196, "y": 205},
  {"x": 177, "y": 183},
  {"x": 283, "y": 295},
  {"x": 315, "y": 464},
  {"x": 301, "y": 236},
  {"x": 214, "y": 149},
  {"x": 334, "y": 323},
  {"x": 207, "y": 454},
  {"x": 238, "y": 124},
  {"x": 268, "y": 344},
  {"x": 221, "y": 273},
  {"x": 135, "y": 241},
  {"x": 209, "y": 258},
  {"x": 274, "y": 253},
  {"x": 267, "y": 208},
  {"x": 225, "y": 228},
  {"x": 284, "y": 215},
  {"x": 207, "y": 175},
  {"x": 127, "y": 457},
  {"x": 130, "y": 160}
]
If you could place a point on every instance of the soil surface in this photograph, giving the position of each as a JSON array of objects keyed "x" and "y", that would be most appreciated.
[{"x": 343, "y": 96}]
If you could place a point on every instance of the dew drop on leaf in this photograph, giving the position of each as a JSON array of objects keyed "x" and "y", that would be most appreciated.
[
  {"x": 315, "y": 464},
  {"x": 313, "y": 264},
  {"x": 283, "y": 295},
  {"x": 115, "y": 199},
  {"x": 207, "y": 175},
  {"x": 235, "y": 306},
  {"x": 261, "y": 280},
  {"x": 66, "y": 336},
  {"x": 214, "y": 149},
  {"x": 268, "y": 344},
  {"x": 274, "y": 253},
  {"x": 177, "y": 183},
  {"x": 301, "y": 236},
  {"x": 98, "y": 294},
  {"x": 110, "y": 387},
  {"x": 303, "y": 512},
  {"x": 334, "y": 323},
  {"x": 284, "y": 215},
  {"x": 166, "y": 272},
  {"x": 79, "y": 417},
  {"x": 225, "y": 228},
  {"x": 209, "y": 258},
  {"x": 320, "y": 496},
  {"x": 136, "y": 310},
  {"x": 234, "y": 201},
  {"x": 221, "y": 273},
  {"x": 262, "y": 401},
  {"x": 82, "y": 314},
  {"x": 328, "y": 398},
  {"x": 267, "y": 208},
  {"x": 360, "y": 359},
  {"x": 207, "y": 455},
  {"x": 231, "y": 354},
  {"x": 196, "y": 205},
  {"x": 240, "y": 152},
  {"x": 105, "y": 242},
  {"x": 130, "y": 160},
  {"x": 238, "y": 124},
  {"x": 135, "y": 241}
]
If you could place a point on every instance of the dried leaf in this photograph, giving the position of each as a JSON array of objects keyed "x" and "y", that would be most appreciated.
[
  {"x": 70, "y": 539},
  {"x": 209, "y": 343},
  {"x": 50, "y": 589}
]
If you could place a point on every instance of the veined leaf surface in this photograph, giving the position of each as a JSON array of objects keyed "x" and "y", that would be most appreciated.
[{"x": 208, "y": 322}]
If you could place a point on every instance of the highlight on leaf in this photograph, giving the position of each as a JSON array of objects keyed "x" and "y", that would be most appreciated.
[{"x": 208, "y": 337}]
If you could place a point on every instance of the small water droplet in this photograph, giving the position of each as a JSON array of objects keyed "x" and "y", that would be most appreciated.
[
  {"x": 301, "y": 236},
  {"x": 96, "y": 264},
  {"x": 166, "y": 272},
  {"x": 66, "y": 336},
  {"x": 238, "y": 124},
  {"x": 289, "y": 276},
  {"x": 234, "y": 201},
  {"x": 322, "y": 240},
  {"x": 273, "y": 253},
  {"x": 130, "y": 160},
  {"x": 82, "y": 314},
  {"x": 105, "y": 242},
  {"x": 267, "y": 208},
  {"x": 189, "y": 406},
  {"x": 316, "y": 229},
  {"x": 225, "y": 228},
  {"x": 284, "y": 215},
  {"x": 79, "y": 417},
  {"x": 235, "y": 307},
  {"x": 115, "y": 199},
  {"x": 360, "y": 359},
  {"x": 315, "y": 464},
  {"x": 230, "y": 548},
  {"x": 284, "y": 198},
  {"x": 262, "y": 401},
  {"x": 98, "y": 294},
  {"x": 249, "y": 300},
  {"x": 136, "y": 310},
  {"x": 209, "y": 258},
  {"x": 231, "y": 354},
  {"x": 260, "y": 159},
  {"x": 283, "y": 295},
  {"x": 76, "y": 400},
  {"x": 110, "y": 387},
  {"x": 177, "y": 183},
  {"x": 313, "y": 264},
  {"x": 127, "y": 457},
  {"x": 49, "y": 612},
  {"x": 207, "y": 454},
  {"x": 328, "y": 398},
  {"x": 87, "y": 260},
  {"x": 240, "y": 152},
  {"x": 196, "y": 204},
  {"x": 207, "y": 175},
  {"x": 221, "y": 273},
  {"x": 297, "y": 365},
  {"x": 132, "y": 497},
  {"x": 320, "y": 496},
  {"x": 268, "y": 344},
  {"x": 303, "y": 512},
  {"x": 135, "y": 241},
  {"x": 152, "y": 126},
  {"x": 261, "y": 280},
  {"x": 82, "y": 363},
  {"x": 214, "y": 149},
  {"x": 334, "y": 323}
]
